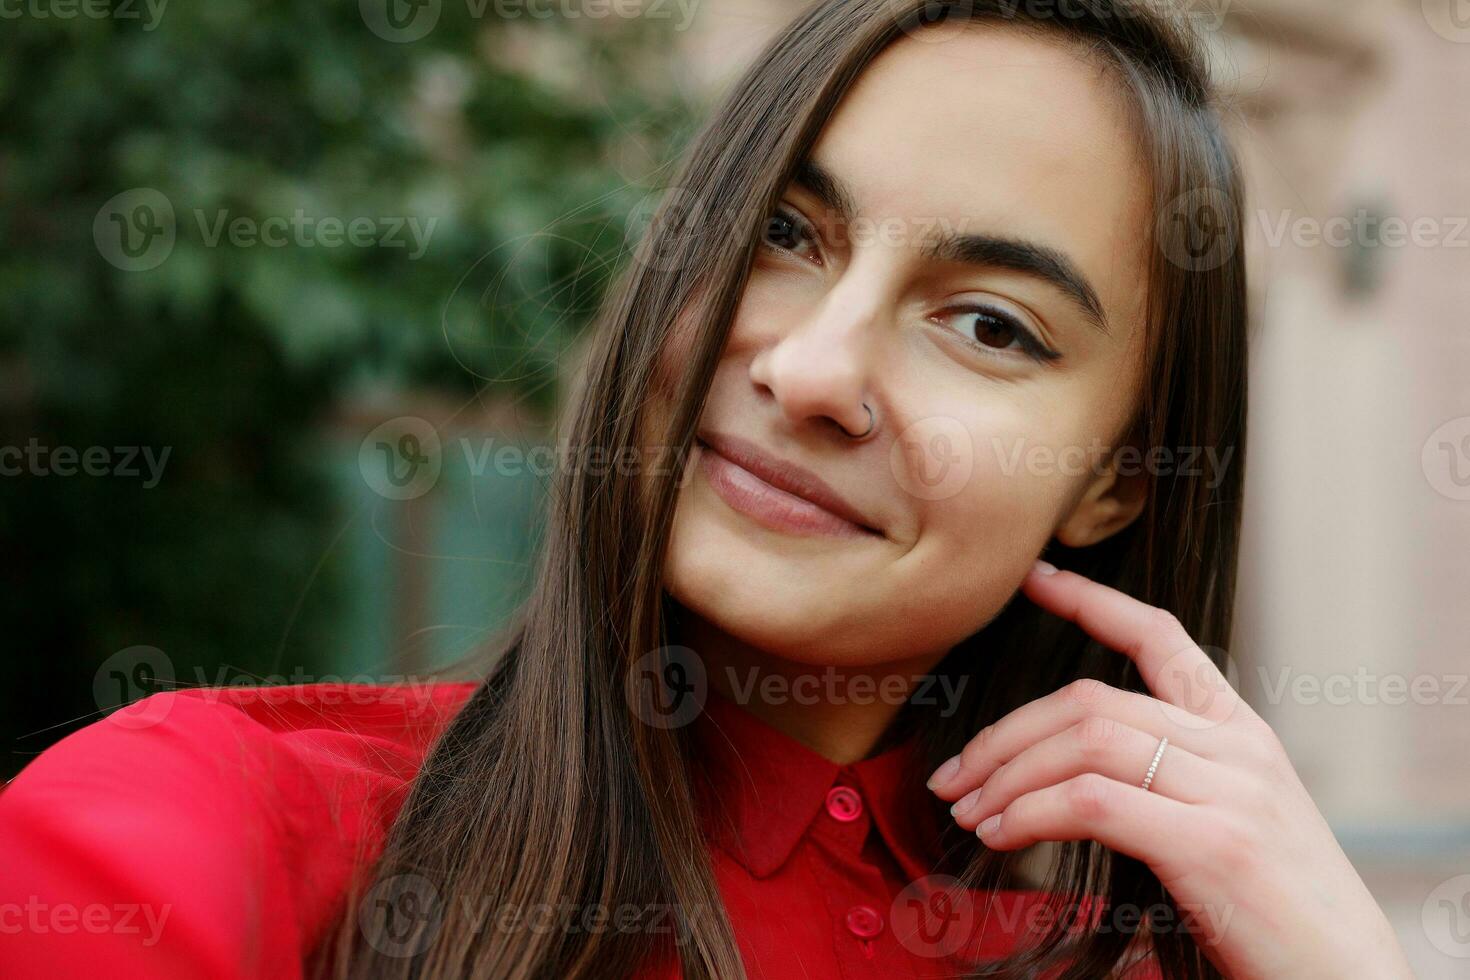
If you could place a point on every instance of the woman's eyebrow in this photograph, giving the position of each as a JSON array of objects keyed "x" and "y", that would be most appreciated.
[
  {"x": 1029, "y": 258},
  {"x": 826, "y": 187},
  {"x": 991, "y": 251}
]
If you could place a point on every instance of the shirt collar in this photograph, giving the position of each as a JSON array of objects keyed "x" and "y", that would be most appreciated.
[{"x": 760, "y": 790}]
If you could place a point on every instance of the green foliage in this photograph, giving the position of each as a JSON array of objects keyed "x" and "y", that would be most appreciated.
[{"x": 517, "y": 146}]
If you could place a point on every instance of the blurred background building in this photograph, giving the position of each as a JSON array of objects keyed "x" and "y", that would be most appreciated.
[{"x": 271, "y": 382}]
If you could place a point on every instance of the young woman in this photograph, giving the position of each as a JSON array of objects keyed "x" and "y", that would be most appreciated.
[{"x": 940, "y": 289}]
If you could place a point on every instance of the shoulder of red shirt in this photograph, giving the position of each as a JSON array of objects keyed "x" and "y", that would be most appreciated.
[
  {"x": 213, "y": 831},
  {"x": 206, "y": 832}
]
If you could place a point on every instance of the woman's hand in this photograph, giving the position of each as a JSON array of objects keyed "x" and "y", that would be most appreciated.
[{"x": 1226, "y": 825}]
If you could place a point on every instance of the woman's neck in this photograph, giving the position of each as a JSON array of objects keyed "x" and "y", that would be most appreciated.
[{"x": 843, "y": 713}]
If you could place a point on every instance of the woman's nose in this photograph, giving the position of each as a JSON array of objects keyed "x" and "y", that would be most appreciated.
[{"x": 823, "y": 367}]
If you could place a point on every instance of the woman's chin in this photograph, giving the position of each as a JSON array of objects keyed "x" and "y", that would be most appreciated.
[{"x": 774, "y": 622}]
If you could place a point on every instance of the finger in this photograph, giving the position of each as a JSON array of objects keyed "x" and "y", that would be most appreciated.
[
  {"x": 1152, "y": 828},
  {"x": 1098, "y": 745},
  {"x": 1170, "y": 662},
  {"x": 1056, "y": 712}
]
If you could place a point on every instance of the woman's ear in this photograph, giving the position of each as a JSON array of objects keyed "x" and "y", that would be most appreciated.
[{"x": 1111, "y": 502}]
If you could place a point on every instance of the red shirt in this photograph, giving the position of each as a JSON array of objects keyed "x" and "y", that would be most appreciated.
[{"x": 212, "y": 832}]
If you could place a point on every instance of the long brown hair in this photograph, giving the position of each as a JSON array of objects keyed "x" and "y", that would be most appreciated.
[{"x": 547, "y": 791}]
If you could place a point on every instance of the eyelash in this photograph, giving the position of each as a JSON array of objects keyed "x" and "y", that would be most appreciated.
[
  {"x": 802, "y": 229},
  {"x": 1030, "y": 345}
]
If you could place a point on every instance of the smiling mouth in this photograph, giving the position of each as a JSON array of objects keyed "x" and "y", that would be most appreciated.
[{"x": 778, "y": 495}]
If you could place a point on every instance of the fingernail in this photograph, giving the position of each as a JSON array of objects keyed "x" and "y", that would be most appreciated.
[
  {"x": 965, "y": 803},
  {"x": 988, "y": 826},
  {"x": 945, "y": 773},
  {"x": 1045, "y": 567}
]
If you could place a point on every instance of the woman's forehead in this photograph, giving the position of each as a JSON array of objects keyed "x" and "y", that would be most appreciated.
[{"x": 996, "y": 130}]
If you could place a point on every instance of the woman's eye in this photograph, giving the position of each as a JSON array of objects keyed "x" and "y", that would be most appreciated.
[
  {"x": 996, "y": 330},
  {"x": 788, "y": 232}
]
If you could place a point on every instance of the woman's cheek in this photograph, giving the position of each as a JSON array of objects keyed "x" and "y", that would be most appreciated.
[
  {"x": 998, "y": 521},
  {"x": 675, "y": 356}
]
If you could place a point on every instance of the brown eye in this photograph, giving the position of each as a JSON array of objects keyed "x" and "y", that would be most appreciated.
[
  {"x": 788, "y": 232},
  {"x": 994, "y": 330}
]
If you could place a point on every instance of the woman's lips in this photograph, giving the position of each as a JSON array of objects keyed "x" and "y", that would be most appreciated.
[{"x": 771, "y": 506}]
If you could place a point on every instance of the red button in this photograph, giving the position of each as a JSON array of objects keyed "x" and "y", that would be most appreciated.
[
  {"x": 844, "y": 803},
  {"x": 864, "y": 921}
]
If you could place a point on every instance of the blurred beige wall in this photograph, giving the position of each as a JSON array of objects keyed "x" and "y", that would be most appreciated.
[
  {"x": 1355, "y": 554},
  {"x": 1355, "y": 602}
]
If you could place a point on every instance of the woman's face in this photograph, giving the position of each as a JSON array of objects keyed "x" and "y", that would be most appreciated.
[{"x": 995, "y": 364}]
